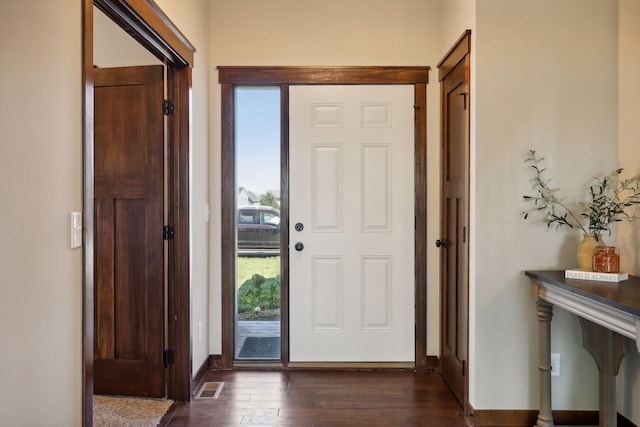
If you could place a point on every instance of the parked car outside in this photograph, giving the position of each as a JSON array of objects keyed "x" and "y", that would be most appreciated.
[{"x": 258, "y": 227}]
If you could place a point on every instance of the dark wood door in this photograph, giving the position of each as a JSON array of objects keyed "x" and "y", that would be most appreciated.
[
  {"x": 455, "y": 228},
  {"x": 129, "y": 246}
]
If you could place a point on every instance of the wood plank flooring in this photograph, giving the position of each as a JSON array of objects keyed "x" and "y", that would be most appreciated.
[{"x": 323, "y": 398}]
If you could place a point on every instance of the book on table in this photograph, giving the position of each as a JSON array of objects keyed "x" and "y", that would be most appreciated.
[{"x": 594, "y": 275}]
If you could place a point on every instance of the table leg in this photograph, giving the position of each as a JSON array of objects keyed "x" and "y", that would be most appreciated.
[
  {"x": 607, "y": 349},
  {"x": 544, "y": 313}
]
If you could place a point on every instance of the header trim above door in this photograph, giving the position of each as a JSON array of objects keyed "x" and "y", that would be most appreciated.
[{"x": 323, "y": 75}]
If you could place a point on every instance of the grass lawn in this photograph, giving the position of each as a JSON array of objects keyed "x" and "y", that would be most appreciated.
[{"x": 266, "y": 267}]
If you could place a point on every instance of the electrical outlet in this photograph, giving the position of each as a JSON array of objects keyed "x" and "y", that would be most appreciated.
[{"x": 555, "y": 364}]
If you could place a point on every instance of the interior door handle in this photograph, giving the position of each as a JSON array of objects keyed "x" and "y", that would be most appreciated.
[
  {"x": 441, "y": 243},
  {"x": 464, "y": 99}
]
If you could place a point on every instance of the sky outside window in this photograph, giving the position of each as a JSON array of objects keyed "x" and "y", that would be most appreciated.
[{"x": 258, "y": 139}]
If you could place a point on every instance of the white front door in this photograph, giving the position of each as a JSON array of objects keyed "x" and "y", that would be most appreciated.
[{"x": 352, "y": 209}]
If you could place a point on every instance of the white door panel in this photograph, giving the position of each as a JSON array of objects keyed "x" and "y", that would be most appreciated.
[{"x": 352, "y": 187}]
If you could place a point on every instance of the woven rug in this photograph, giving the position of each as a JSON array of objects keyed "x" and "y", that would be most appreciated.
[{"x": 117, "y": 411}]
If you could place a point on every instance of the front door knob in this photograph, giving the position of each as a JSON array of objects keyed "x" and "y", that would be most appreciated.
[{"x": 299, "y": 246}]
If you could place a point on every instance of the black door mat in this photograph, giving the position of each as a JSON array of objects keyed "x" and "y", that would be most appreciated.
[{"x": 260, "y": 348}]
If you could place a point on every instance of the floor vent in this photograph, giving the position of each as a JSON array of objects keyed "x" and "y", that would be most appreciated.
[{"x": 209, "y": 390}]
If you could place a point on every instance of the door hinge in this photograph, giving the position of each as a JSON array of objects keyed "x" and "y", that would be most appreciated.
[
  {"x": 167, "y": 107},
  {"x": 168, "y": 232},
  {"x": 168, "y": 357},
  {"x": 464, "y": 234}
]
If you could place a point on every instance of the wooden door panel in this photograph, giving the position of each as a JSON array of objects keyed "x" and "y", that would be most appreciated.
[
  {"x": 129, "y": 257},
  {"x": 104, "y": 238},
  {"x": 451, "y": 300},
  {"x": 454, "y": 229},
  {"x": 129, "y": 264},
  {"x": 122, "y": 105}
]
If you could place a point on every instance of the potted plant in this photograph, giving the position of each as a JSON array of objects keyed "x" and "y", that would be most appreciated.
[{"x": 610, "y": 199}]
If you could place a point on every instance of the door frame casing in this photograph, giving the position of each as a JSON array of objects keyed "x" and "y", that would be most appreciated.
[
  {"x": 146, "y": 22},
  {"x": 231, "y": 77}
]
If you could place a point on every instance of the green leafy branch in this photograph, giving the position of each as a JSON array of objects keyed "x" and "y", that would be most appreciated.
[
  {"x": 547, "y": 201},
  {"x": 612, "y": 199}
]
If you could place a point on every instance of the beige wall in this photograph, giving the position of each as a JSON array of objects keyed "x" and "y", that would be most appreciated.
[
  {"x": 113, "y": 47},
  {"x": 455, "y": 16},
  {"x": 629, "y": 108},
  {"x": 629, "y": 159},
  {"x": 40, "y": 185},
  {"x": 546, "y": 79},
  {"x": 319, "y": 32},
  {"x": 561, "y": 78}
]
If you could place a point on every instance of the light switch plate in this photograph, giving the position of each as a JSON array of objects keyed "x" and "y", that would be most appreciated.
[{"x": 76, "y": 230}]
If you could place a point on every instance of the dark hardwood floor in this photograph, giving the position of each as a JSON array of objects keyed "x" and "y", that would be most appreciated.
[{"x": 323, "y": 398}]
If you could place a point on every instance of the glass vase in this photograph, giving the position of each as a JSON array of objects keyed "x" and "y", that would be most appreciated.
[{"x": 606, "y": 260}]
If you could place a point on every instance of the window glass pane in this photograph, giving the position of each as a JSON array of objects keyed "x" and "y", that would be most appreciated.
[{"x": 257, "y": 130}]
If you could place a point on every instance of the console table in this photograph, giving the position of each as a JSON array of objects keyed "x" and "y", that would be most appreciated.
[{"x": 607, "y": 312}]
